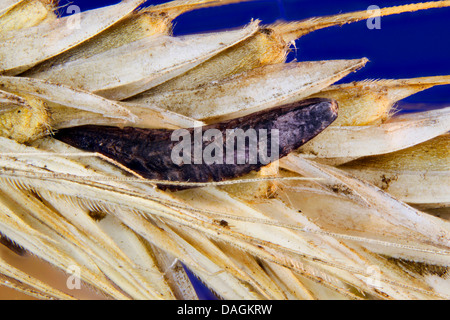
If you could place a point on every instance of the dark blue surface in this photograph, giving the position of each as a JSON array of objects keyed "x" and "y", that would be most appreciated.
[{"x": 407, "y": 45}]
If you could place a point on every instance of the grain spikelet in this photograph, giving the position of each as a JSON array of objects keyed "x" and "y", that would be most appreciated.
[
  {"x": 259, "y": 89},
  {"x": 133, "y": 28},
  {"x": 145, "y": 116},
  {"x": 147, "y": 22},
  {"x": 338, "y": 145},
  {"x": 144, "y": 63},
  {"x": 263, "y": 48},
  {"x": 112, "y": 261},
  {"x": 270, "y": 45},
  {"x": 66, "y": 96},
  {"x": 371, "y": 102}
]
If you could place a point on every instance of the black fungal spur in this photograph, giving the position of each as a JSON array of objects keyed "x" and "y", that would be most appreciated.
[{"x": 157, "y": 154}]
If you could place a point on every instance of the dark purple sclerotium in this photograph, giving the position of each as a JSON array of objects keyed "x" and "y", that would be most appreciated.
[{"x": 149, "y": 152}]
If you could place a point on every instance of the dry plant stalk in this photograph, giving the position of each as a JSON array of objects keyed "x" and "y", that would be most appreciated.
[{"x": 313, "y": 225}]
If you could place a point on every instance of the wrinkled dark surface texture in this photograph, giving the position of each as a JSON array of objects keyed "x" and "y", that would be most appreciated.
[{"x": 148, "y": 151}]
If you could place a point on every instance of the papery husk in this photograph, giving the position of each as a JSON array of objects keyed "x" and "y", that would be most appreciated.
[
  {"x": 27, "y": 14},
  {"x": 417, "y": 175},
  {"x": 145, "y": 116},
  {"x": 287, "y": 279},
  {"x": 280, "y": 214},
  {"x": 360, "y": 204},
  {"x": 372, "y": 102},
  {"x": 147, "y": 22},
  {"x": 261, "y": 88},
  {"x": 263, "y": 48},
  {"x": 124, "y": 273},
  {"x": 340, "y": 144},
  {"x": 124, "y": 268},
  {"x": 22, "y": 49},
  {"x": 59, "y": 106},
  {"x": 66, "y": 96},
  {"x": 135, "y": 27},
  {"x": 133, "y": 68},
  {"x": 7, "y": 5}
]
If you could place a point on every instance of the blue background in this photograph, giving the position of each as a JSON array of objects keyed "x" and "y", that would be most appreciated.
[{"x": 407, "y": 45}]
